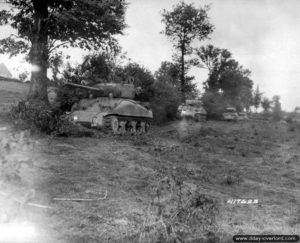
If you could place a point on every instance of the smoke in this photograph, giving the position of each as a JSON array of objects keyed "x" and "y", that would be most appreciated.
[{"x": 182, "y": 128}]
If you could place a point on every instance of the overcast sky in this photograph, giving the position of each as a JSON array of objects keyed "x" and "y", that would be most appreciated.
[{"x": 263, "y": 35}]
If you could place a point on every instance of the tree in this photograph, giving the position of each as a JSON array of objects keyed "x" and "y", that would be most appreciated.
[
  {"x": 236, "y": 89},
  {"x": 169, "y": 72},
  {"x": 218, "y": 62},
  {"x": 214, "y": 59},
  {"x": 277, "y": 111},
  {"x": 228, "y": 83},
  {"x": 257, "y": 96},
  {"x": 142, "y": 78},
  {"x": 266, "y": 104},
  {"x": 44, "y": 26},
  {"x": 98, "y": 67},
  {"x": 183, "y": 25}
]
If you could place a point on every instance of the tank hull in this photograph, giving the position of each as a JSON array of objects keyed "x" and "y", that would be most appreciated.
[{"x": 116, "y": 114}]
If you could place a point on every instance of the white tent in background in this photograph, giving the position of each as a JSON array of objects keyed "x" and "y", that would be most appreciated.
[{"x": 4, "y": 72}]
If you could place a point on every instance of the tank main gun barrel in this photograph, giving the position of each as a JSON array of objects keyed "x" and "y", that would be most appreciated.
[
  {"x": 104, "y": 90},
  {"x": 84, "y": 87}
]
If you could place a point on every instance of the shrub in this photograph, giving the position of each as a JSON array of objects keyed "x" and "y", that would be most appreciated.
[
  {"x": 41, "y": 117},
  {"x": 165, "y": 102},
  {"x": 34, "y": 115}
]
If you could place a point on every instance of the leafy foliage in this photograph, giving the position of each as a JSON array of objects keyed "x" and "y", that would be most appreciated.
[
  {"x": 82, "y": 23},
  {"x": 186, "y": 23},
  {"x": 42, "y": 27},
  {"x": 13, "y": 46},
  {"x": 141, "y": 77},
  {"x": 169, "y": 72},
  {"x": 228, "y": 84},
  {"x": 95, "y": 68},
  {"x": 236, "y": 89},
  {"x": 39, "y": 117},
  {"x": 24, "y": 76},
  {"x": 34, "y": 116},
  {"x": 98, "y": 67},
  {"x": 165, "y": 102},
  {"x": 183, "y": 25},
  {"x": 67, "y": 97},
  {"x": 73, "y": 74},
  {"x": 55, "y": 62},
  {"x": 266, "y": 104}
]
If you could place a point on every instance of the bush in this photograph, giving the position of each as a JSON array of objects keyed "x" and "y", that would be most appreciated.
[
  {"x": 34, "y": 115},
  {"x": 37, "y": 116},
  {"x": 164, "y": 103}
]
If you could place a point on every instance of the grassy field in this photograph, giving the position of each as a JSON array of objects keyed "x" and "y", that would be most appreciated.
[
  {"x": 171, "y": 184},
  {"x": 11, "y": 92}
]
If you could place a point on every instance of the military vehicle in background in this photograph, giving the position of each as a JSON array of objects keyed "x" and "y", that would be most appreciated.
[
  {"x": 192, "y": 109},
  {"x": 230, "y": 114},
  {"x": 111, "y": 106},
  {"x": 242, "y": 116}
]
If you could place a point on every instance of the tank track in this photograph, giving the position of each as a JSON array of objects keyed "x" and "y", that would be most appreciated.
[{"x": 127, "y": 125}]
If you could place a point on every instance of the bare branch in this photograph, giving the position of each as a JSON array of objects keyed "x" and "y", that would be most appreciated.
[{"x": 57, "y": 46}]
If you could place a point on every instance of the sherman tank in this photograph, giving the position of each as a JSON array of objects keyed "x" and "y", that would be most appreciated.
[
  {"x": 112, "y": 106},
  {"x": 192, "y": 109}
]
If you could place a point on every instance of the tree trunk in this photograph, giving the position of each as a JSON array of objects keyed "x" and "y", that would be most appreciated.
[
  {"x": 39, "y": 53},
  {"x": 182, "y": 78}
]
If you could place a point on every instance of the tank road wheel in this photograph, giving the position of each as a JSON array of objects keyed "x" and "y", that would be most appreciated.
[
  {"x": 115, "y": 125},
  {"x": 133, "y": 127},
  {"x": 107, "y": 124},
  {"x": 139, "y": 128},
  {"x": 123, "y": 127},
  {"x": 197, "y": 117},
  {"x": 143, "y": 128},
  {"x": 147, "y": 127}
]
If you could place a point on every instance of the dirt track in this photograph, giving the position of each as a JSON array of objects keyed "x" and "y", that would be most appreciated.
[{"x": 247, "y": 160}]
